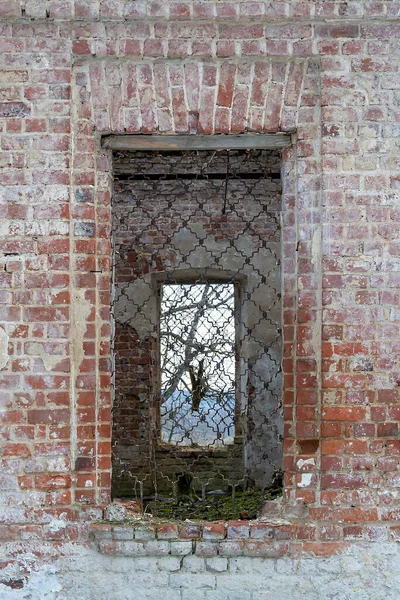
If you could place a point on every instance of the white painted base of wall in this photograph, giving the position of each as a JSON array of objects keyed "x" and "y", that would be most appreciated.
[{"x": 365, "y": 572}]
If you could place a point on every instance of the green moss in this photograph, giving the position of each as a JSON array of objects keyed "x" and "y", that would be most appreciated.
[{"x": 244, "y": 505}]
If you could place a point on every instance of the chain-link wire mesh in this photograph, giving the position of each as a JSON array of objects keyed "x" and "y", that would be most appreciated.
[
  {"x": 197, "y": 326},
  {"x": 197, "y": 333}
]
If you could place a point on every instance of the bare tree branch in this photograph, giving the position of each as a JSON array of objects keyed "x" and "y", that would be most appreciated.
[{"x": 189, "y": 354}]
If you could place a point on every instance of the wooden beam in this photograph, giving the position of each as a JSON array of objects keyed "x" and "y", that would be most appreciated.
[{"x": 197, "y": 142}]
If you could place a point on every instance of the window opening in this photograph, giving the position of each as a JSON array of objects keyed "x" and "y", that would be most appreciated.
[
  {"x": 197, "y": 337},
  {"x": 197, "y": 417}
]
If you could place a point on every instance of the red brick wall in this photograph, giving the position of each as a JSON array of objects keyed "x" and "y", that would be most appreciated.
[{"x": 327, "y": 71}]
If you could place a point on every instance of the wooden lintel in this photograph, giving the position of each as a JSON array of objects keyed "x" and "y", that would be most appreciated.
[{"x": 197, "y": 142}]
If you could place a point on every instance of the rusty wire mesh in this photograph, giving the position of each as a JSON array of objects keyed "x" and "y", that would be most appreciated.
[{"x": 197, "y": 326}]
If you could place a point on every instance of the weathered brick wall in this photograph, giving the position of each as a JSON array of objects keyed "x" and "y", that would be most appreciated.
[{"x": 327, "y": 71}]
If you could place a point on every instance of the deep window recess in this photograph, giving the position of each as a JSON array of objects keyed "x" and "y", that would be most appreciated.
[{"x": 197, "y": 420}]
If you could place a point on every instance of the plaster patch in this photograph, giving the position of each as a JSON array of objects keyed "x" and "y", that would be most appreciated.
[
  {"x": 333, "y": 368},
  {"x": 305, "y": 480},
  {"x": 316, "y": 247},
  {"x": 49, "y": 360},
  {"x": 316, "y": 258},
  {"x": 81, "y": 310},
  {"x": 3, "y": 349}
]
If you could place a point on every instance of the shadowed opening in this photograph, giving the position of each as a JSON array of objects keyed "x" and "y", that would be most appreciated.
[{"x": 197, "y": 417}]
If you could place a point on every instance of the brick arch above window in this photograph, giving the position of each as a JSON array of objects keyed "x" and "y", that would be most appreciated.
[{"x": 191, "y": 96}]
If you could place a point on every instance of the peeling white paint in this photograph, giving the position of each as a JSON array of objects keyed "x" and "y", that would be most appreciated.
[
  {"x": 309, "y": 461},
  {"x": 42, "y": 584},
  {"x": 3, "y": 349},
  {"x": 305, "y": 480},
  {"x": 56, "y": 525}
]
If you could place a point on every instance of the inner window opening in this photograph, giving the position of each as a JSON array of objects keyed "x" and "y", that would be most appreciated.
[
  {"x": 197, "y": 346},
  {"x": 197, "y": 361}
]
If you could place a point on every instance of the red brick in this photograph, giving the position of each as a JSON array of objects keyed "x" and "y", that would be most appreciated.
[
  {"x": 81, "y": 47},
  {"x": 226, "y": 84},
  {"x": 238, "y": 529},
  {"x": 232, "y": 32},
  {"x": 388, "y": 429},
  {"x": 190, "y": 531},
  {"x": 354, "y": 515},
  {"x": 167, "y": 532},
  {"x": 337, "y": 31},
  {"x": 325, "y": 548},
  {"x": 214, "y": 531},
  {"x": 343, "y": 446},
  {"x": 48, "y": 416},
  {"x": 52, "y": 482},
  {"x": 15, "y": 449},
  {"x": 342, "y": 413}
]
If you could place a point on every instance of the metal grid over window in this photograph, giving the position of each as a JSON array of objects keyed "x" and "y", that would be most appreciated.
[
  {"x": 197, "y": 362},
  {"x": 197, "y": 325}
]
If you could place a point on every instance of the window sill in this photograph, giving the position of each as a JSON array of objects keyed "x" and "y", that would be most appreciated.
[{"x": 270, "y": 538}]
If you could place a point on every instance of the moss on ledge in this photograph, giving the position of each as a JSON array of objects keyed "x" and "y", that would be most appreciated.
[{"x": 245, "y": 505}]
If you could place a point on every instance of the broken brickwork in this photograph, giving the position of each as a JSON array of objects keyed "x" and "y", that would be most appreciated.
[{"x": 324, "y": 72}]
